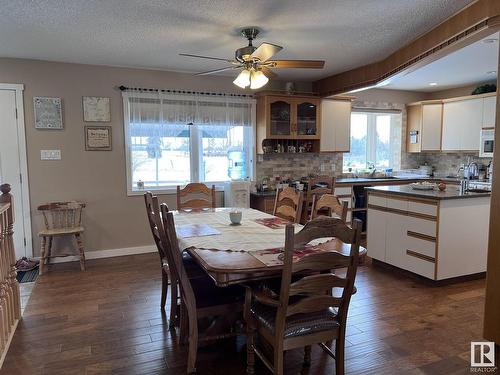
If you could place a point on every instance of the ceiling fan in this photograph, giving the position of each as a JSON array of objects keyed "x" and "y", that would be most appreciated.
[{"x": 255, "y": 63}]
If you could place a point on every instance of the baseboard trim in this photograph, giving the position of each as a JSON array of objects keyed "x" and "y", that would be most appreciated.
[{"x": 108, "y": 253}]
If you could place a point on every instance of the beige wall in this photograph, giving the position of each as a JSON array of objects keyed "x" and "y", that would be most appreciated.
[{"x": 112, "y": 219}]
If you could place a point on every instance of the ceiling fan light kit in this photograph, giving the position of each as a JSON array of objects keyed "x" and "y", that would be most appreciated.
[{"x": 255, "y": 64}]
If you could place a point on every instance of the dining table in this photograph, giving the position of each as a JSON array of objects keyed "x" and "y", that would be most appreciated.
[{"x": 237, "y": 253}]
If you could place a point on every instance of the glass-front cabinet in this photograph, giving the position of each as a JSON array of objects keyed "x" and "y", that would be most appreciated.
[
  {"x": 280, "y": 111},
  {"x": 307, "y": 117},
  {"x": 289, "y": 117}
]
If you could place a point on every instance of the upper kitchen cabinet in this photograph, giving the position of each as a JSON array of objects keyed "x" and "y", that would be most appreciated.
[
  {"x": 280, "y": 117},
  {"x": 300, "y": 124},
  {"x": 424, "y": 126},
  {"x": 335, "y": 125},
  {"x": 462, "y": 122},
  {"x": 489, "y": 111}
]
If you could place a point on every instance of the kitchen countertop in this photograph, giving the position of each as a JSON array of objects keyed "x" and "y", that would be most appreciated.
[{"x": 450, "y": 193}]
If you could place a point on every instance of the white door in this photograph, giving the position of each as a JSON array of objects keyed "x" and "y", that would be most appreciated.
[{"x": 10, "y": 166}]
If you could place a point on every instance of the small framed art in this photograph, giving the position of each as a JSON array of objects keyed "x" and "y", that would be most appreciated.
[
  {"x": 96, "y": 109},
  {"x": 98, "y": 138}
]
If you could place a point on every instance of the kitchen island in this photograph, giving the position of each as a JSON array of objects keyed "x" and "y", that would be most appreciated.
[{"x": 438, "y": 235}]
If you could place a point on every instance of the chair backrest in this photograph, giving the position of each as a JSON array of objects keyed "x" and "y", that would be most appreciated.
[
  {"x": 204, "y": 197},
  {"x": 329, "y": 181},
  {"x": 288, "y": 204},
  {"x": 170, "y": 234},
  {"x": 331, "y": 204},
  {"x": 312, "y": 193},
  {"x": 62, "y": 215},
  {"x": 155, "y": 222},
  {"x": 316, "y": 288}
]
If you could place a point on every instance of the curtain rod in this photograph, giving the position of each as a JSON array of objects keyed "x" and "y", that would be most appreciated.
[{"x": 124, "y": 88}]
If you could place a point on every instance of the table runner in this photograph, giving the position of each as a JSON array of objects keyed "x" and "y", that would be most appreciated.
[{"x": 249, "y": 236}]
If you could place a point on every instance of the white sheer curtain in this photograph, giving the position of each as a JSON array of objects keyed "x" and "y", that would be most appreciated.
[{"x": 176, "y": 138}]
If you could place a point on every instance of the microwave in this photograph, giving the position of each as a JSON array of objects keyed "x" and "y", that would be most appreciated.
[{"x": 487, "y": 145}]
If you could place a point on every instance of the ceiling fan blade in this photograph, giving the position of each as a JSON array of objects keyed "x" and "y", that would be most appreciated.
[
  {"x": 302, "y": 64},
  {"x": 268, "y": 72},
  {"x": 216, "y": 70},
  {"x": 208, "y": 57},
  {"x": 265, "y": 51}
]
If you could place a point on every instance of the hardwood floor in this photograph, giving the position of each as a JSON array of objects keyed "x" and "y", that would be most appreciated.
[{"x": 107, "y": 320}]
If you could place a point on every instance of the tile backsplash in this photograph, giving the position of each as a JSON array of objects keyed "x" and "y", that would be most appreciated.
[
  {"x": 297, "y": 165},
  {"x": 445, "y": 164}
]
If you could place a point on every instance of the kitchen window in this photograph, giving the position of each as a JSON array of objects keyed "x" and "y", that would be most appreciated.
[
  {"x": 375, "y": 140},
  {"x": 174, "y": 139}
]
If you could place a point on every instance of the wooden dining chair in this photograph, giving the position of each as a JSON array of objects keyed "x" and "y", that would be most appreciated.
[
  {"x": 316, "y": 187},
  {"x": 192, "y": 268},
  {"x": 331, "y": 204},
  {"x": 305, "y": 312},
  {"x": 198, "y": 196},
  {"x": 288, "y": 204},
  {"x": 156, "y": 225},
  {"x": 201, "y": 300},
  {"x": 61, "y": 219}
]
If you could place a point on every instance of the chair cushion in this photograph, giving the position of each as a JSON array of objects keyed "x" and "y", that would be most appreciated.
[
  {"x": 60, "y": 231},
  {"x": 299, "y": 324}
]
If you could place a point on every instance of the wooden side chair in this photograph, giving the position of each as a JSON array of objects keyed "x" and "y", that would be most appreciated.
[
  {"x": 61, "y": 219},
  {"x": 156, "y": 225},
  {"x": 305, "y": 312},
  {"x": 201, "y": 196},
  {"x": 201, "y": 300},
  {"x": 315, "y": 190},
  {"x": 331, "y": 204},
  {"x": 288, "y": 204}
]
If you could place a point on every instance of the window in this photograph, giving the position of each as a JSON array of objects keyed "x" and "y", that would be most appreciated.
[
  {"x": 175, "y": 139},
  {"x": 375, "y": 140}
]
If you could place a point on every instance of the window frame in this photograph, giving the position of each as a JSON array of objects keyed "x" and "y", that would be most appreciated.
[
  {"x": 194, "y": 152},
  {"x": 371, "y": 134}
]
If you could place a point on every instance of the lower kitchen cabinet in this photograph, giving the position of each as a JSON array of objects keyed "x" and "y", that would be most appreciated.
[{"x": 421, "y": 236}]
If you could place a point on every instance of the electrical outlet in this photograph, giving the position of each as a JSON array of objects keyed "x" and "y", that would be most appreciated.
[{"x": 50, "y": 154}]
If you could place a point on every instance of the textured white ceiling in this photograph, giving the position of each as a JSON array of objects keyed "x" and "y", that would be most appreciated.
[
  {"x": 478, "y": 62},
  {"x": 151, "y": 34}
]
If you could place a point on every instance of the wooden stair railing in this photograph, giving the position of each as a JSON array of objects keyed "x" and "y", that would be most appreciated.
[{"x": 10, "y": 300}]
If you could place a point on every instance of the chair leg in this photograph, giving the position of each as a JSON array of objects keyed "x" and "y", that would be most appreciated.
[
  {"x": 164, "y": 289},
  {"x": 43, "y": 241},
  {"x": 193, "y": 344},
  {"x": 81, "y": 250},
  {"x": 49, "y": 250},
  {"x": 183, "y": 325},
  {"x": 278, "y": 360},
  {"x": 174, "y": 301},
  {"x": 339, "y": 355},
  {"x": 250, "y": 348},
  {"x": 307, "y": 356}
]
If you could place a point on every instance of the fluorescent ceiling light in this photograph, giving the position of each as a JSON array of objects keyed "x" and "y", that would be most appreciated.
[
  {"x": 492, "y": 72},
  {"x": 433, "y": 84}
]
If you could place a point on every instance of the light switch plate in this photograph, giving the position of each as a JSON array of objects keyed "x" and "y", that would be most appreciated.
[{"x": 50, "y": 154}]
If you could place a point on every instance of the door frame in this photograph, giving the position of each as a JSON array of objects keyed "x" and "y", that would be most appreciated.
[{"x": 23, "y": 163}]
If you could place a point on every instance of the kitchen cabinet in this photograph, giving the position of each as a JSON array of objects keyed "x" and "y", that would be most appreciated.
[
  {"x": 432, "y": 116},
  {"x": 289, "y": 117},
  {"x": 335, "y": 125},
  {"x": 489, "y": 111},
  {"x": 305, "y": 123},
  {"x": 462, "y": 122},
  {"x": 426, "y": 120},
  {"x": 419, "y": 235}
]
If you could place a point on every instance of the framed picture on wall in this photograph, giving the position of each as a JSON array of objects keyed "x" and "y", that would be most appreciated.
[
  {"x": 96, "y": 109},
  {"x": 48, "y": 112},
  {"x": 98, "y": 138}
]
